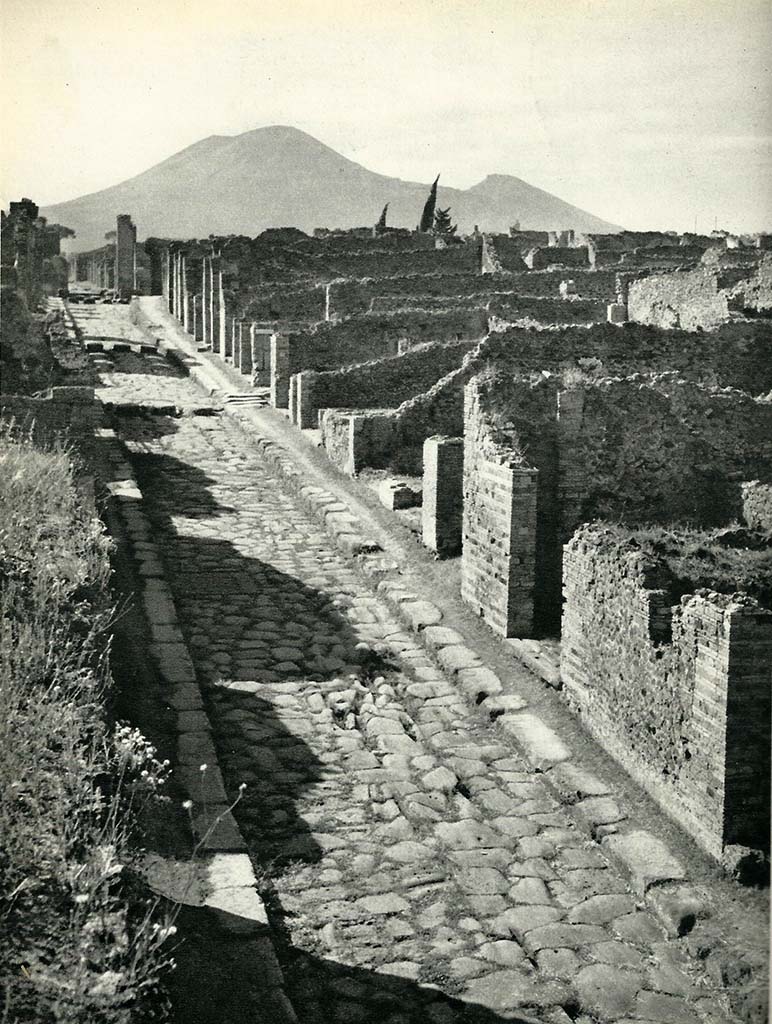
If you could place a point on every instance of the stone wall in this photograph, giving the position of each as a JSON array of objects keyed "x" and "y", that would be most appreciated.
[
  {"x": 547, "y": 310},
  {"x": 382, "y": 383},
  {"x": 329, "y": 346},
  {"x": 757, "y": 505},
  {"x": 660, "y": 450},
  {"x": 679, "y": 695},
  {"x": 71, "y": 411},
  {"x": 541, "y": 258},
  {"x": 679, "y": 300},
  {"x": 735, "y": 355}
]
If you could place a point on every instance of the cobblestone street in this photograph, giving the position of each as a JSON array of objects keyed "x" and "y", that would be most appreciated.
[{"x": 414, "y": 867}]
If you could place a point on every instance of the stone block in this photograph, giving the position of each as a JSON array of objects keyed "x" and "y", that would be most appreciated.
[
  {"x": 397, "y": 494},
  {"x": 541, "y": 745},
  {"x": 645, "y": 858}
]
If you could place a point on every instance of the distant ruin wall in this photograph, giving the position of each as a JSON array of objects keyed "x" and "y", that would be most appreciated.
[
  {"x": 679, "y": 697},
  {"x": 678, "y": 300}
]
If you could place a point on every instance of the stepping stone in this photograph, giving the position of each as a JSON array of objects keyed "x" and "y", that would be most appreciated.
[{"x": 645, "y": 858}]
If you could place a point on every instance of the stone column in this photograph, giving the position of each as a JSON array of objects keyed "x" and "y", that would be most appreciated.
[
  {"x": 222, "y": 333},
  {"x": 205, "y": 300},
  {"x": 443, "y": 497},
  {"x": 185, "y": 297},
  {"x": 260, "y": 344},
  {"x": 279, "y": 371},
  {"x": 245, "y": 352}
]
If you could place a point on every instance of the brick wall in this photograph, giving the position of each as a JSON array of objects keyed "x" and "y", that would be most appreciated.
[
  {"x": 499, "y": 528},
  {"x": 685, "y": 709}
]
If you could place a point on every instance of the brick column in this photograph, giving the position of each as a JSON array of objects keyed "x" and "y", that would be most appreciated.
[
  {"x": 443, "y": 497},
  {"x": 279, "y": 371},
  {"x": 260, "y": 342},
  {"x": 186, "y": 318}
]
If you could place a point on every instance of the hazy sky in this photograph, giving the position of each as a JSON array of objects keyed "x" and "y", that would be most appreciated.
[{"x": 648, "y": 113}]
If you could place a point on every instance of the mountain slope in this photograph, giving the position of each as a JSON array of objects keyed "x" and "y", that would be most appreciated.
[{"x": 281, "y": 177}]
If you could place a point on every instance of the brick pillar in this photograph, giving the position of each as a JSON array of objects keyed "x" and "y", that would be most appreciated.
[
  {"x": 443, "y": 494},
  {"x": 214, "y": 304},
  {"x": 747, "y": 717},
  {"x": 306, "y": 415},
  {"x": 279, "y": 371},
  {"x": 230, "y": 341},
  {"x": 245, "y": 352}
]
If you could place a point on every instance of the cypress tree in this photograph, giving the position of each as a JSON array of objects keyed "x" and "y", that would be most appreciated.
[
  {"x": 427, "y": 217},
  {"x": 380, "y": 227}
]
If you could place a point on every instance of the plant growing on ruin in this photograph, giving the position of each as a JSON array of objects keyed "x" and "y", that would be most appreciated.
[
  {"x": 427, "y": 217},
  {"x": 442, "y": 224}
]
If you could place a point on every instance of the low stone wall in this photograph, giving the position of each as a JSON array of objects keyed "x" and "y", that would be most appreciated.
[
  {"x": 383, "y": 383},
  {"x": 679, "y": 696},
  {"x": 546, "y": 311},
  {"x": 72, "y": 412}
]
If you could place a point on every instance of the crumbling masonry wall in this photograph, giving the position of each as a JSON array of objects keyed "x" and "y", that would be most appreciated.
[
  {"x": 383, "y": 383},
  {"x": 638, "y": 450},
  {"x": 680, "y": 697}
]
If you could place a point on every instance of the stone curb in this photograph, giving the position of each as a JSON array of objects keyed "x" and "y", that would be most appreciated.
[
  {"x": 640, "y": 856},
  {"x": 232, "y": 894}
]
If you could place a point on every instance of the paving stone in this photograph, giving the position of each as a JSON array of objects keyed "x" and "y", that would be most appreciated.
[
  {"x": 520, "y": 921},
  {"x": 563, "y": 936},
  {"x": 410, "y": 852},
  {"x": 509, "y": 988},
  {"x": 542, "y": 746},
  {"x": 455, "y": 658},
  {"x": 639, "y": 928},
  {"x": 466, "y": 835},
  {"x": 668, "y": 1009},
  {"x": 482, "y": 881},
  {"x": 385, "y": 903},
  {"x": 600, "y": 909},
  {"x": 532, "y": 891},
  {"x": 440, "y": 778},
  {"x": 558, "y": 963},
  {"x": 607, "y": 992},
  {"x": 645, "y": 858},
  {"x": 502, "y": 951}
]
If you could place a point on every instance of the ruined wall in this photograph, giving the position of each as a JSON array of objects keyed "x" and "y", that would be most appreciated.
[
  {"x": 541, "y": 258},
  {"x": 547, "y": 310},
  {"x": 383, "y": 383},
  {"x": 679, "y": 697},
  {"x": 735, "y": 355},
  {"x": 70, "y": 410},
  {"x": 757, "y": 505},
  {"x": 678, "y": 300},
  {"x": 635, "y": 450},
  {"x": 331, "y": 345},
  {"x": 499, "y": 527}
]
